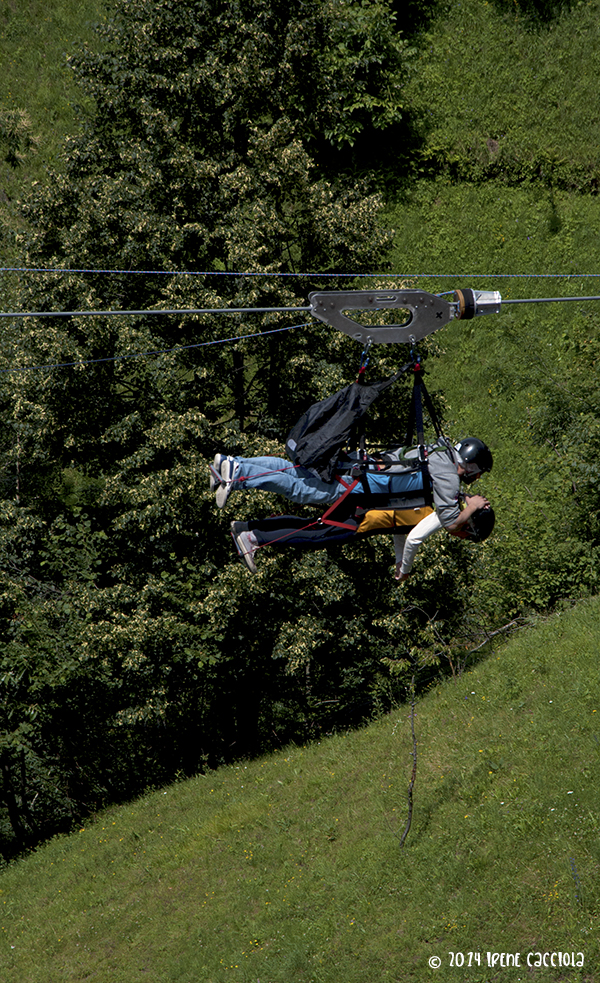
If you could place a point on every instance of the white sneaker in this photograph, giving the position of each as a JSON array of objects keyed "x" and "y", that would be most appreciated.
[
  {"x": 228, "y": 469},
  {"x": 215, "y": 472},
  {"x": 245, "y": 543}
]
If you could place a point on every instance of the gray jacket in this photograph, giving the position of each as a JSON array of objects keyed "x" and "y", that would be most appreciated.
[{"x": 442, "y": 462}]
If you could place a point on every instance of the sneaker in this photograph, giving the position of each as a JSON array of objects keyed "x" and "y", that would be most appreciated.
[
  {"x": 228, "y": 469},
  {"x": 245, "y": 543},
  {"x": 215, "y": 473}
]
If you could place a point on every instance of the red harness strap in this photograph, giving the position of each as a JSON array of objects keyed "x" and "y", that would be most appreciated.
[{"x": 332, "y": 522}]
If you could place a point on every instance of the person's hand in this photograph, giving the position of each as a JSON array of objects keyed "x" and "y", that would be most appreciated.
[
  {"x": 399, "y": 575},
  {"x": 477, "y": 502},
  {"x": 473, "y": 502}
]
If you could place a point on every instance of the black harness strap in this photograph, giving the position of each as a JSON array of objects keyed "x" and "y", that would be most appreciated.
[
  {"x": 431, "y": 411},
  {"x": 415, "y": 416},
  {"x": 415, "y": 423}
]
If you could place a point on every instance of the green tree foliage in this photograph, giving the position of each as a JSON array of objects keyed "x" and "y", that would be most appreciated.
[
  {"x": 17, "y": 145},
  {"x": 134, "y": 646}
]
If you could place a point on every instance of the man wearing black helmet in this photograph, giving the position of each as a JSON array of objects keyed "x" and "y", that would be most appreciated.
[{"x": 447, "y": 467}]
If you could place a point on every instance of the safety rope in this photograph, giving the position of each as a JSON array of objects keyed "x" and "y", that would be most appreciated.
[{"x": 164, "y": 351}]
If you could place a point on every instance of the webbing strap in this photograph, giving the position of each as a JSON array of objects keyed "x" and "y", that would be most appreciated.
[
  {"x": 431, "y": 411},
  {"x": 410, "y": 425},
  {"x": 418, "y": 407},
  {"x": 415, "y": 415},
  {"x": 338, "y": 501},
  {"x": 340, "y": 525},
  {"x": 415, "y": 422}
]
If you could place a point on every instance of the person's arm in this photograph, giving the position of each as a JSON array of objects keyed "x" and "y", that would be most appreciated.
[
  {"x": 473, "y": 502},
  {"x": 446, "y": 487},
  {"x": 446, "y": 478},
  {"x": 425, "y": 528}
]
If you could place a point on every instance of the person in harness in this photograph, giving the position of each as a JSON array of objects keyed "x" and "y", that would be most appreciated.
[
  {"x": 477, "y": 529},
  {"x": 320, "y": 472},
  {"x": 395, "y": 480},
  {"x": 411, "y": 527}
]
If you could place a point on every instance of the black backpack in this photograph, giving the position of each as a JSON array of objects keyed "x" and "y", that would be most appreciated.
[{"x": 321, "y": 433}]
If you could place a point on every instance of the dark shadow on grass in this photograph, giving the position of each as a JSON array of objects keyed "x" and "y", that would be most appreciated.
[{"x": 534, "y": 14}]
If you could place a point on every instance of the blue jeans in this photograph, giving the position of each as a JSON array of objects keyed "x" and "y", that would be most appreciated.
[{"x": 275, "y": 474}]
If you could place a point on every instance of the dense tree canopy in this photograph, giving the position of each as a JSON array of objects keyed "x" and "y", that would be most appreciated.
[
  {"x": 235, "y": 147},
  {"x": 133, "y": 645}
]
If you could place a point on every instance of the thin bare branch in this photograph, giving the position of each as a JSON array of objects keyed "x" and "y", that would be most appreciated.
[{"x": 411, "y": 784}]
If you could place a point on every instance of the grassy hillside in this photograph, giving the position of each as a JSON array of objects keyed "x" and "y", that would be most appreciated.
[
  {"x": 289, "y": 869},
  {"x": 507, "y": 192},
  {"x": 35, "y": 40},
  {"x": 500, "y": 98}
]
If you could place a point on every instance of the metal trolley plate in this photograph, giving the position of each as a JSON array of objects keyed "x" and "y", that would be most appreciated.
[{"x": 426, "y": 312}]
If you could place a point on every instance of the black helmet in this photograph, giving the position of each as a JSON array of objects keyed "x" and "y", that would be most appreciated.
[
  {"x": 480, "y": 525},
  {"x": 475, "y": 456}
]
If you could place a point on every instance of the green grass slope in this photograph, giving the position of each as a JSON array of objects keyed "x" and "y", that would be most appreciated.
[
  {"x": 288, "y": 868},
  {"x": 497, "y": 98},
  {"x": 35, "y": 40}
]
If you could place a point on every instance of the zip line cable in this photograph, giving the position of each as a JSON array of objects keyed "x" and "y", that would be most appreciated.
[
  {"x": 164, "y": 351},
  {"x": 54, "y": 269},
  {"x": 493, "y": 306},
  {"x": 191, "y": 310},
  {"x": 545, "y": 300},
  {"x": 239, "y": 310},
  {"x": 226, "y": 273}
]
